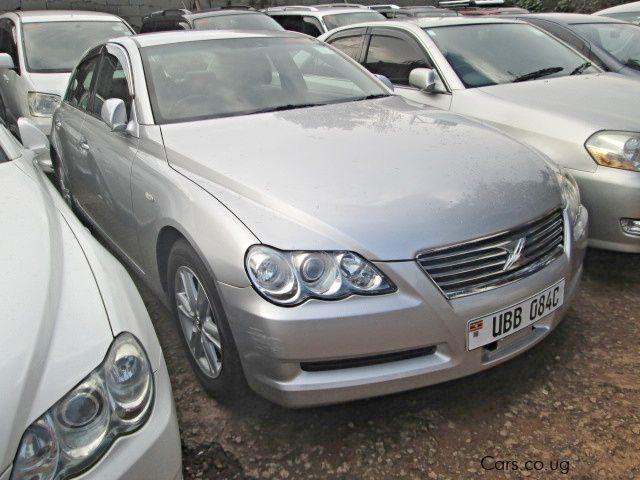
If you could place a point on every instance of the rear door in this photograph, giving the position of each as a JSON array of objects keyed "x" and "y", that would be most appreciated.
[{"x": 106, "y": 193}]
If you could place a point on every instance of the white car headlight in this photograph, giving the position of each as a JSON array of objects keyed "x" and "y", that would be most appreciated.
[
  {"x": 113, "y": 400},
  {"x": 290, "y": 278},
  {"x": 570, "y": 193},
  {"x": 615, "y": 149},
  {"x": 42, "y": 104}
]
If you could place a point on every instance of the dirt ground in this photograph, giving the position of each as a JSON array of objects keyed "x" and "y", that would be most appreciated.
[{"x": 568, "y": 408}]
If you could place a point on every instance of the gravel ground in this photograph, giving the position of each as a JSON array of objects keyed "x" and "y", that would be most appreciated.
[{"x": 569, "y": 407}]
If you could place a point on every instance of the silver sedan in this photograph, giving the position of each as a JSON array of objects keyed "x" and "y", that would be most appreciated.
[
  {"x": 85, "y": 388},
  {"x": 313, "y": 233},
  {"x": 530, "y": 85}
]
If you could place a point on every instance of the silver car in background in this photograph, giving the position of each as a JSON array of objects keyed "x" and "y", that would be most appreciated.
[
  {"x": 314, "y": 234},
  {"x": 530, "y": 85},
  {"x": 85, "y": 388}
]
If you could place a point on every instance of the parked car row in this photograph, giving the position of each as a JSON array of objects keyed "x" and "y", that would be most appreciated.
[{"x": 393, "y": 205}]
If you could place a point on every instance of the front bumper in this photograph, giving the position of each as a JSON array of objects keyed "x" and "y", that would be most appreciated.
[
  {"x": 610, "y": 194},
  {"x": 274, "y": 341},
  {"x": 153, "y": 451}
]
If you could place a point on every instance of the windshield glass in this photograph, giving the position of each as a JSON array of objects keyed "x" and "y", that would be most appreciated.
[
  {"x": 341, "y": 19},
  {"x": 619, "y": 39},
  {"x": 490, "y": 54},
  {"x": 53, "y": 47},
  {"x": 633, "y": 17},
  {"x": 241, "y": 76},
  {"x": 246, "y": 21}
]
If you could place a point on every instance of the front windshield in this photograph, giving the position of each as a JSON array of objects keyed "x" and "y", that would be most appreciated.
[
  {"x": 242, "y": 21},
  {"x": 56, "y": 47},
  {"x": 491, "y": 54},
  {"x": 341, "y": 19},
  {"x": 240, "y": 76},
  {"x": 621, "y": 40}
]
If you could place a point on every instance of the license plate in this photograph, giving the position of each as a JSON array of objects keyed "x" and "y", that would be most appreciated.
[{"x": 501, "y": 324}]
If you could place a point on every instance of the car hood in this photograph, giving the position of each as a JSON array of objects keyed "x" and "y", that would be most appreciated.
[
  {"x": 53, "y": 332},
  {"x": 55, "y": 83},
  {"x": 385, "y": 177},
  {"x": 594, "y": 102}
]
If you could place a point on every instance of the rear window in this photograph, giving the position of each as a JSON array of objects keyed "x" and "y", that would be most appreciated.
[
  {"x": 341, "y": 19},
  {"x": 241, "y": 21}
]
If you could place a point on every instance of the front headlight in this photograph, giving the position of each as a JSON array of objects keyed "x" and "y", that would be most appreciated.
[
  {"x": 42, "y": 104},
  {"x": 290, "y": 278},
  {"x": 113, "y": 400},
  {"x": 615, "y": 149},
  {"x": 570, "y": 194}
]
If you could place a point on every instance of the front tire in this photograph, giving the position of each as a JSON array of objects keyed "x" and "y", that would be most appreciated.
[{"x": 202, "y": 324}]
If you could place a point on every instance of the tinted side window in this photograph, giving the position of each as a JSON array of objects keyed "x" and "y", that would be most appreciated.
[
  {"x": 111, "y": 83},
  {"x": 394, "y": 58},
  {"x": 298, "y": 23},
  {"x": 8, "y": 40},
  {"x": 349, "y": 45},
  {"x": 79, "y": 91}
]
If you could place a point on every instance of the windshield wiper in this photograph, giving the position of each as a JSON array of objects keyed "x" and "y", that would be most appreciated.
[
  {"x": 371, "y": 97},
  {"x": 537, "y": 74},
  {"x": 580, "y": 68},
  {"x": 280, "y": 108},
  {"x": 633, "y": 63}
]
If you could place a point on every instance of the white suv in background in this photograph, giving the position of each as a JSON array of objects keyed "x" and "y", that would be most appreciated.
[
  {"x": 319, "y": 19},
  {"x": 38, "y": 50}
]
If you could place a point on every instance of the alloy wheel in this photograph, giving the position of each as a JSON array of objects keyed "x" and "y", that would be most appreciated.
[{"x": 198, "y": 323}]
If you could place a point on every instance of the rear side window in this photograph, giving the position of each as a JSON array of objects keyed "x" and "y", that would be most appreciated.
[
  {"x": 163, "y": 26},
  {"x": 79, "y": 91},
  {"x": 349, "y": 45},
  {"x": 394, "y": 58}
]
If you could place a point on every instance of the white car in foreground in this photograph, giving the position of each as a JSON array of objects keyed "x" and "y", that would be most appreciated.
[{"x": 85, "y": 389}]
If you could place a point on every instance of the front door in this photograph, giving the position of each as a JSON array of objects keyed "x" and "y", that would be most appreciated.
[
  {"x": 106, "y": 196},
  {"x": 394, "y": 54}
]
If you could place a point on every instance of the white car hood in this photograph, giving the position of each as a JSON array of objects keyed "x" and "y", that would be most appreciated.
[
  {"x": 55, "y": 83},
  {"x": 557, "y": 115},
  {"x": 599, "y": 101},
  {"x": 54, "y": 329}
]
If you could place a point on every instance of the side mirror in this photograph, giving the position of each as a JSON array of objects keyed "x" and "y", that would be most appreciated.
[
  {"x": 6, "y": 61},
  {"x": 423, "y": 78},
  {"x": 35, "y": 140},
  {"x": 114, "y": 114},
  {"x": 386, "y": 81}
]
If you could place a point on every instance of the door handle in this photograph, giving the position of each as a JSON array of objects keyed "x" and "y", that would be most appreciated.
[
  {"x": 58, "y": 123},
  {"x": 83, "y": 145}
]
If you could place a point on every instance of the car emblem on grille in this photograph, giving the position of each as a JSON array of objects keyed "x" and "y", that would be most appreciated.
[{"x": 515, "y": 257}]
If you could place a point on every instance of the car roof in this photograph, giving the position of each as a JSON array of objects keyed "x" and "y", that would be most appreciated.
[
  {"x": 428, "y": 22},
  {"x": 63, "y": 15},
  {"x": 571, "y": 18},
  {"x": 181, "y": 36},
  {"x": 218, "y": 13},
  {"x": 627, "y": 7},
  {"x": 315, "y": 10}
]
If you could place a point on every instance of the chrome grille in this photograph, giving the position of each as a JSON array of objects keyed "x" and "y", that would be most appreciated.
[{"x": 482, "y": 264}]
